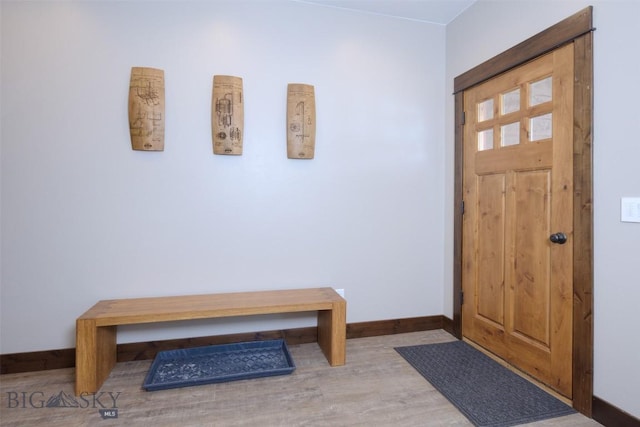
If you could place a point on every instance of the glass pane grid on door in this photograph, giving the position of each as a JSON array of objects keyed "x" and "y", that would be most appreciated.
[
  {"x": 541, "y": 91},
  {"x": 541, "y": 127},
  {"x": 510, "y": 134},
  {"x": 540, "y": 121},
  {"x": 485, "y": 110},
  {"x": 516, "y": 116},
  {"x": 510, "y": 102},
  {"x": 485, "y": 139}
]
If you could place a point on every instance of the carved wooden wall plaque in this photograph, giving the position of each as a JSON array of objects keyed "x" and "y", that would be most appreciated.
[
  {"x": 146, "y": 109},
  {"x": 301, "y": 121},
  {"x": 227, "y": 115}
]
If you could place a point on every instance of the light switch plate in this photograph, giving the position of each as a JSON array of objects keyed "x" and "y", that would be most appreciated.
[{"x": 630, "y": 209}]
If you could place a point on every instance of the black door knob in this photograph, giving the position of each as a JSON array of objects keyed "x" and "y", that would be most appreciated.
[{"x": 559, "y": 238}]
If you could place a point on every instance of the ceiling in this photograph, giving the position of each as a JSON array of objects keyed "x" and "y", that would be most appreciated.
[{"x": 432, "y": 11}]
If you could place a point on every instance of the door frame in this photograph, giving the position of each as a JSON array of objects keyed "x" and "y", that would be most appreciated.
[{"x": 577, "y": 29}]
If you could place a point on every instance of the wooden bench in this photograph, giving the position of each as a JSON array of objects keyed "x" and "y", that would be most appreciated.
[{"x": 96, "y": 329}]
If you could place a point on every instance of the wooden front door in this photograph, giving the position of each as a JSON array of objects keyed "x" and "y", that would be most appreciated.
[{"x": 517, "y": 245}]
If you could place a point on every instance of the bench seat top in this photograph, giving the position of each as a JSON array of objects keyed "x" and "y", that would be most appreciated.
[{"x": 188, "y": 307}]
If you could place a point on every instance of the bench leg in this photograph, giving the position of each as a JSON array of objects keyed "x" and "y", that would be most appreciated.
[
  {"x": 332, "y": 333},
  {"x": 95, "y": 355}
]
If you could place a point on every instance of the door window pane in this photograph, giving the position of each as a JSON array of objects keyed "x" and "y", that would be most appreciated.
[
  {"x": 510, "y": 134},
  {"x": 541, "y": 127},
  {"x": 510, "y": 101},
  {"x": 540, "y": 91},
  {"x": 485, "y": 140},
  {"x": 485, "y": 110}
]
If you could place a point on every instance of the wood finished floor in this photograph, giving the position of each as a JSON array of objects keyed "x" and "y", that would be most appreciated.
[{"x": 376, "y": 387}]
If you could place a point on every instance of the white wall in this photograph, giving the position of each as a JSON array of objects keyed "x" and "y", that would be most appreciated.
[
  {"x": 490, "y": 27},
  {"x": 85, "y": 218}
]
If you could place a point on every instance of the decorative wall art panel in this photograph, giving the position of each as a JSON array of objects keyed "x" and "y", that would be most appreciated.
[
  {"x": 146, "y": 109},
  {"x": 227, "y": 115},
  {"x": 301, "y": 121}
]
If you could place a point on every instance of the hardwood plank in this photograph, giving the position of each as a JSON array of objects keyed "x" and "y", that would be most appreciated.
[
  {"x": 172, "y": 308},
  {"x": 332, "y": 333}
]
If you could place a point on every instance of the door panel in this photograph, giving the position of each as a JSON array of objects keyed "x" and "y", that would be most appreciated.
[
  {"x": 518, "y": 189},
  {"x": 530, "y": 292},
  {"x": 491, "y": 208}
]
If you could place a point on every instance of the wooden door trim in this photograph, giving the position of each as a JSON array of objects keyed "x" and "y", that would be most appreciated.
[
  {"x": 576, "y": 29},
  {"x": 583, "y": 225},
  {"x": 563, "y": 32}
]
